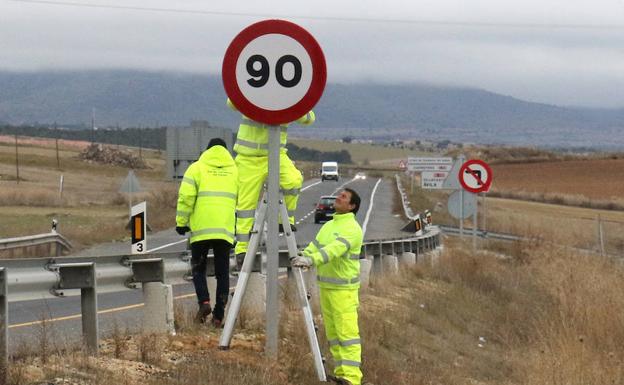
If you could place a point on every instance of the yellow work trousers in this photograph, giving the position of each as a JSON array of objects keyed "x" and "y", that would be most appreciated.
[
  {"x": 339, "y": 309},
  {"x": 252, "y": 173}
]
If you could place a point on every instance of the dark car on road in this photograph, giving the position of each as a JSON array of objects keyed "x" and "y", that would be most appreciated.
[{"x": 324, "y": 209}]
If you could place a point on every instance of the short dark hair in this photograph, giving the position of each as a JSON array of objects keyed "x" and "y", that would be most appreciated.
[
  {"x": 355, "y": 200},
  {"x": 216, "y": 142}
]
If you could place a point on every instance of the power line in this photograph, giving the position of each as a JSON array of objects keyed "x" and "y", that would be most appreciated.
[{"x": 332, "y": 18}]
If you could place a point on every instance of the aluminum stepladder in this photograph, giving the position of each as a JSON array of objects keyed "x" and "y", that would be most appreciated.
[
  {"x": 272, "y": 207},
  {"x": 243, "y": 278}
]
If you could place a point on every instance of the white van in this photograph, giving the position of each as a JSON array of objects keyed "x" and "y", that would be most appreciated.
[{"x": 329, "y": 170}]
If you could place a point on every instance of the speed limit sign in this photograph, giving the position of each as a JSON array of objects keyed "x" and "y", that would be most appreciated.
[{"x": 274, "y": 72}]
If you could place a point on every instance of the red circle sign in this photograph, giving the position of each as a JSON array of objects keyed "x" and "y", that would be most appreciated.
[
  {"x": 475, "y": 176},
  {"x": 274, "y": 72}
]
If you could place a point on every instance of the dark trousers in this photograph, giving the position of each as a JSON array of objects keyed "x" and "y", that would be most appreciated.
[{"x": 199, "y": 252}]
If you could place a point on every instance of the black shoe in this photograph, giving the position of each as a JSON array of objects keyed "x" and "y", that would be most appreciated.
[
  {"x": 293, "y": 228},
  {"x": 203, "y": 312},
  {"x": 338, "y": 380},
  {"x": 217, "y": 323}
]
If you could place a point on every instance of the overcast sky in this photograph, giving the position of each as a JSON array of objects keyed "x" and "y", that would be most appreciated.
[{"x": 565, "y": 52}]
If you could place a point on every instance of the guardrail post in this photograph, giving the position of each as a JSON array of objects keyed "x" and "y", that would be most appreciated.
[
  {"x": 81, "y": 276},
  {"x": 377, "y": 252},
  {"x": 365, "y": 270},
  {"x": 389, "y": 259},
  {"x": 4, "y": 327},
  {"x": 158, "y": 297}
]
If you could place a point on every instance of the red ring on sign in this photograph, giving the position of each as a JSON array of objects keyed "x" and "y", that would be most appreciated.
[
  {"x": 486, "y": 184},
  {"x": 319, "y": 72}
]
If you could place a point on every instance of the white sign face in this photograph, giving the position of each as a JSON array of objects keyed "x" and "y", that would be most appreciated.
[
  {"x": 138, "y": 223},
  {"x": 274, "y": 72},
  {"x": 455, "y": 204},
  {"x": 474, "y": 176},
  {"x": 432, "y": 179},
  {"x": 452, "y": 182},
  {"x": 429, "y": 164}
]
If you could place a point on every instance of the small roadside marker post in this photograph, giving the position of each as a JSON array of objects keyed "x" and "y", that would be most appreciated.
[{"x": 138, "y": 226}]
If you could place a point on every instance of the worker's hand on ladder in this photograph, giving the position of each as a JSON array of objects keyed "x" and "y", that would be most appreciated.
[{"x": 301, "y": 261}]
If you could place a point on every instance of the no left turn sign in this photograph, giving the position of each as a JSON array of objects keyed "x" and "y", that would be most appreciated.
[
  {"x": 274, "y": 72},
  {"x": 475, "y": 176}
]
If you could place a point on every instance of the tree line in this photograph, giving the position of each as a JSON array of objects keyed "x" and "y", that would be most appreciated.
[{"x": 154, "y": 138}]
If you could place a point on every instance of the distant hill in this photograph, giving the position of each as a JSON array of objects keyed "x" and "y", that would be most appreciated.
[{"x": 135, "y": 98}]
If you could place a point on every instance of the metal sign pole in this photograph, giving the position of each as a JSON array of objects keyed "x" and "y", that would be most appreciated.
[
  {"x": 272, "y": 283},
  {"x": 461, "y": 213},
  {"x": 474, "y": 227},
  {"x": 462, "y": 159}
]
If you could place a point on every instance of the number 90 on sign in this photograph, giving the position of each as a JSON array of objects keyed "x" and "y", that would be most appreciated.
[{"x": 274, "y": 72}]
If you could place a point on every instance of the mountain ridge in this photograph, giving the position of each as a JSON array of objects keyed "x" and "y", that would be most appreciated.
[{"x": 385, "y": 111}]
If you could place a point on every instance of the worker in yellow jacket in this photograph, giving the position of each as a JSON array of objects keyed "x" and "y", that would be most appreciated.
[
  {"x": 336, "y": 254},
  {"x": 252, "y": 160},
  {"x": 206, "y": 208}
]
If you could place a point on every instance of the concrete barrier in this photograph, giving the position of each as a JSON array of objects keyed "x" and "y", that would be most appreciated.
[{"x": 254, "y": 300}]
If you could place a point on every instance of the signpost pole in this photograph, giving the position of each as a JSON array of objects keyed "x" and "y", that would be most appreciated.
[
  {"x": 272, "y": 282},
  {"x": 474, "y": 227},
  {"x": 484, "y": 228},
  {"x": 462, "y": 159},
  {"x": 461, "y": 213}
]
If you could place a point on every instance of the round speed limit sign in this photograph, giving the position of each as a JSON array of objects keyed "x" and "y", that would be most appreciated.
[{"x": 274, "y": 72}]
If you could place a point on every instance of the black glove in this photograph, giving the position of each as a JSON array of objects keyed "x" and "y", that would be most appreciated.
[{"x": 182, "y": 229}]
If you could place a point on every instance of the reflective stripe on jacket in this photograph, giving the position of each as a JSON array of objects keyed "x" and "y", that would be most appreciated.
[
  {"x": 252, "y": 138},
  {"x": 207, "y": 196},
  {"x": 336, "y": 253}
]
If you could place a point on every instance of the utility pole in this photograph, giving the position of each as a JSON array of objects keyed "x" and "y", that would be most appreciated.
[
  {"x": 140, "y": 143},
  {"x": 16, "y": 161},
  {"x": 58, "y": 160},
  {"x": 92, "y": 125}
]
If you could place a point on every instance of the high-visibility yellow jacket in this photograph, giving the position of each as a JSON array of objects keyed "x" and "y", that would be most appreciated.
[
  {"x": 252, "y": 138},
  {"x": 336, "y": 253},
  {"x": 207, "y": 196}
]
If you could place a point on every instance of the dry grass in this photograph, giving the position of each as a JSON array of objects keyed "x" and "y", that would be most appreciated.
[
  {"x": 533, "y": 315},
  {"x": 90, "y": 209},
  {"x": 564, "y": 225}
]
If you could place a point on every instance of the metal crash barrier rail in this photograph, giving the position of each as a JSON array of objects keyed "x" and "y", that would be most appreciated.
[{"x": 41, "y": 278}]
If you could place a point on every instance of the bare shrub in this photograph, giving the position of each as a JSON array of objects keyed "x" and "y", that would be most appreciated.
[
  {"x": 149, "y": 348},
  {"x": 120, "y": 340}
]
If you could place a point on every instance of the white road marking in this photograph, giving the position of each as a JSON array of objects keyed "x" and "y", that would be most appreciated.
[
  {"x": 370, "y": 207},
  {"x": 308, "y": 186},
  {"x": 167, "y": 245}
]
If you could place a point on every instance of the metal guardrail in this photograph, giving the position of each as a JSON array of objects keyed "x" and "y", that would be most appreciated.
[
  {"x": 40, "y": 278},
  {"x": 482, "y": 234},
  {"x": 407, "y": 210},
  {"x": 54, "y": 239}
]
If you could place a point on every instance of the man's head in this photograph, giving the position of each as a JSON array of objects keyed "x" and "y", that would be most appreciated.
[
  {"x": 348, "y": 201},
  {"x": 216, "y": 142}
]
